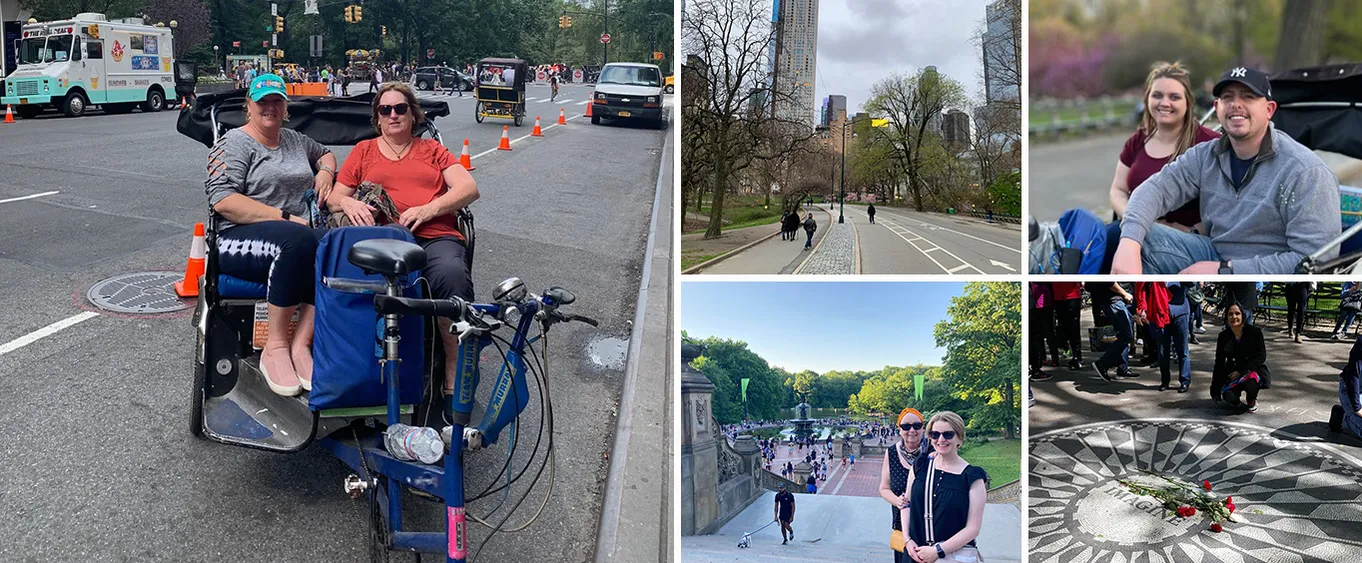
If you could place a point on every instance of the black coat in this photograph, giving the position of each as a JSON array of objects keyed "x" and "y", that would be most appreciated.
[{"x": 1248, "y": 354}]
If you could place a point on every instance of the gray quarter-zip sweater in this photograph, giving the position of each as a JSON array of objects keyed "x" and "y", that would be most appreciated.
[{"x": 1286, "y": 208}]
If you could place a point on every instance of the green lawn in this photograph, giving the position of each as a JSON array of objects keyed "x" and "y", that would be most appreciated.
[
  {"x": 743, "y": 212},
  {"x": 688, "y": 260},
  {"x": 1001, "y": 458}
]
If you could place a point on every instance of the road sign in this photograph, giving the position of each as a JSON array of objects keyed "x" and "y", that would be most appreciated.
[
  {"x": 274, "y": 9},
  {"x": 236, "y": 43},
  {"x": 658, "y": 55},
  {"x": 605, "y": 38},
  {"x": 577, "y": 76},
  {"x": 264, "y": 43},
  {"x": 541, "y": 76},
  {"x": 315, "y": 45},
  {"x": 430, "y": 53}
]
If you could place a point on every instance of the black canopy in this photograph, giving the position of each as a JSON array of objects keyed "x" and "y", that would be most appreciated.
[
  {"x": 1321, "y": 107},
  {"x": 329, "y": 121}
]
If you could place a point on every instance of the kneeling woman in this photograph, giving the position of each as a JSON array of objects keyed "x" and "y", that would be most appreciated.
[
  {"x": 257, "y": 177},
  {"x": 948, "y": 497},
  {"x": 1240, "y": 362},
  {"x": 427, "y": 187}
]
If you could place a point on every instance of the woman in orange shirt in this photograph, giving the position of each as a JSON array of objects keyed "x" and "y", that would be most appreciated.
[{"x": 427, "y": 187}]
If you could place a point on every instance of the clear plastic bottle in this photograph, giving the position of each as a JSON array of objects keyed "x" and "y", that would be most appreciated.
[{"x": 412, "y": 443}]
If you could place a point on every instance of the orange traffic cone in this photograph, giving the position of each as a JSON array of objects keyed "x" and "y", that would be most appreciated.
[
  {"x": 590, "y": 103},
  {"x": 537, "y": 132},
  {"x": 193, "y": 269},
  {"x": 561, "y": 118},
  {"x": 465, "y": 160},
  {"x": 9, "y": 113},
  {"x": 505, "y": 138}
]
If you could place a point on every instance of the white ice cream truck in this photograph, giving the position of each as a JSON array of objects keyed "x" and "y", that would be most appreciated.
[{"x": 89, "y": 60}]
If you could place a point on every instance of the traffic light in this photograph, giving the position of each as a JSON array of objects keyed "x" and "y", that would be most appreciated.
[
  {"x": 569, "y": 21},
  {"x": 562, "y": 22},
  {"x": 359, "y": 14},
  {"x": 349, "y": 14},
  {"x": 278, "y": 24},
  {"x": 384, "y": 29}
]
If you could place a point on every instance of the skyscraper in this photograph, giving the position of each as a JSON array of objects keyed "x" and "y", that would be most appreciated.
[
  {"x": 1000, "y": 41},
  {"x": 795, "y": 56},
  {"x": 834, "y": 108},
  {"x": 955, "y": 130}
]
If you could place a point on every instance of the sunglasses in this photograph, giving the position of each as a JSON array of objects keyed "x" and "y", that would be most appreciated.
[
  {"x": 911, "y": 426},
  {"x": 949, "y": 435},
  {"x": 401, "y": 109}
]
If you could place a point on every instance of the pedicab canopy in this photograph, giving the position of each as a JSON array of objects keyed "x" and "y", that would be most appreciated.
[
  {"x": 1319, "y": 107},
  {"x": 329, "y": 121},
  {"x": 492, "y": 72}
]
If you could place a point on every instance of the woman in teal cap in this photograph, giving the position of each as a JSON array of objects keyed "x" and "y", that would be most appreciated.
[{"x": 257, "y": 177}]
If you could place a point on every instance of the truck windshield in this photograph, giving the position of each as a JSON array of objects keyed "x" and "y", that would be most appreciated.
[
  {"x": 56, "y": 48},
  {"x": 631, "y": 75}
]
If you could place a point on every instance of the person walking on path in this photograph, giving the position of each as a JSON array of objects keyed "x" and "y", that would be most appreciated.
[
  {"x": 870, "y": 210},
  {"x": 1151, "y": 310},
  {"x": 1297, "y": 295},
  {"x": 1068, "y": 307},
  {"x": 809, "y": 227},
  {"x": 1348, "y": 412},
  {"x": 1118, "y": 315},
  {"x": 785, "y": 512}
]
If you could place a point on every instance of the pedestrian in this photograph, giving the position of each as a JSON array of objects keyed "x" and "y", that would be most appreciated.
[
  {"x": 809, "y": 227},
  {"x": 1297, "y": 296},
  {"x": 785, "y": 513},
  {"x": 870, "y": 210},
  {"x": 898, "y": 462},
  {"x": 1350, "y": 303},
  {"x": 1042, "y": 320},
  {"x": 853, "y": 463},
  {"x": 947, "y": 498},
  {"x": 1152, "y": 311},
  {"x": 812, "y": 484},
  {"x": 1068, "y": 307},
  {"x": 1118, "y": 297},
  {"x": 375, "y": 78},
  {"x": 553, "y": 83},
  {"x": 1240, "y": 362},
  {"x": 1348, "y": 412},
  {"x": 1195, "y": 297},
  {"x": 1179, "y": 326}
]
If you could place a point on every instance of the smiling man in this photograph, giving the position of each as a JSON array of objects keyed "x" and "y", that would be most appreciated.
[{"x": 1266, "y": 200}]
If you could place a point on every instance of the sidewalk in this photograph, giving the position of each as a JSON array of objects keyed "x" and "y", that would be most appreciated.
[{"x": 835, "y": 254}]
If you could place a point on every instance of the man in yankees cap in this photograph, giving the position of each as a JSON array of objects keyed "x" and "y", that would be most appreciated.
[{"x": 1266, "y": 200}]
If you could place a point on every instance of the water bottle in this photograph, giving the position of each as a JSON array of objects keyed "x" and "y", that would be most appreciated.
[{"x": 411, "y": 443}]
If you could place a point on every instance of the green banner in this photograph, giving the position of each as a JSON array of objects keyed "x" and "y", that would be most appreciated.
[
  {"x": 744, "y": 388},
  {"x": 917, "y": 386}
]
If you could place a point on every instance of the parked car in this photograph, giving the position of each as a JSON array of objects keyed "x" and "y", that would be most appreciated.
[{"x": 440, "y": 77}]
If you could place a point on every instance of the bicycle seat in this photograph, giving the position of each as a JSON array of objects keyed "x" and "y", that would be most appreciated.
[{"x": 389, "y": 257}]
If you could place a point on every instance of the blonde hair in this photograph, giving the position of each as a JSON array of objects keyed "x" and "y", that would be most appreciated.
[
  {"x": 418, "y": 117},
  {"x": 957, "y": 424},
  {"x": 1173, "y": 71}
]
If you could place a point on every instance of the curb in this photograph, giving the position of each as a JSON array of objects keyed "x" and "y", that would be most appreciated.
[
  {"x": 856, "y": 247},
  {"x": 720, "y": 258},
  {"x": 800, "y": 268}
]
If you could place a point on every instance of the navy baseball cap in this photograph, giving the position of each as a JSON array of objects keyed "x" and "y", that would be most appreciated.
[
  {"x": 1254, "y": 79},
  {"x": 782, "y": 485}
]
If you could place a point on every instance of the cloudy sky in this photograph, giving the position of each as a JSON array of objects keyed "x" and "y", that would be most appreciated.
[{"x": 861, "y": 42}]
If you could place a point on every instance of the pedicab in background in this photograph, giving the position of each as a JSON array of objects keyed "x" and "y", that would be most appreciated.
[
  {"x": 498, "y": 97},
  {"x": 369, "y": 378}
]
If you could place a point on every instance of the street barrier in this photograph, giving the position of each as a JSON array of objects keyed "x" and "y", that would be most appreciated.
[
  {"x": 193, "y": 267},
  {"x": 505, "y": 138}
]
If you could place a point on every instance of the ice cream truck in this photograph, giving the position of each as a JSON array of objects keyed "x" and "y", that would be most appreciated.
[{"x": 89, "y": 60}]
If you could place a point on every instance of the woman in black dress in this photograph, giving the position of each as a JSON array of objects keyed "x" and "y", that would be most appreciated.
[
  {"x": 898, "y": 463},
  {"x": 948, "y": 497},
  {"x": 1240, "y": 362}
]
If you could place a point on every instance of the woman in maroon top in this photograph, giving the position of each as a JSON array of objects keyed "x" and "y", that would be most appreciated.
[{"x": 1167, "y": 130}]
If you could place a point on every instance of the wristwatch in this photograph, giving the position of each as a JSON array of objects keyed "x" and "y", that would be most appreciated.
[
  {"x": 940, "y": 553},
  {"x": 1225, "y": 268},
  {"x": 284, "y": 214}
]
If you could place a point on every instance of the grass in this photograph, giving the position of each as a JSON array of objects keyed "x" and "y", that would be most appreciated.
[
  {"x": 743, "y": 212},
  {"x": 688, "y": 260},
  {"x": 1000, "y": 458}
]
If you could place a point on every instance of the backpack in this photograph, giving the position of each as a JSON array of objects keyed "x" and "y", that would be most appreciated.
[{"x": 1086, "y": 233}]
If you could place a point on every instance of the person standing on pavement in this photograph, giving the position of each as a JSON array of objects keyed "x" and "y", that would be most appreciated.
[
  {"x": 785, "y": 226},
  {"x": 1179, "y": 325},
  {"x": 1151, "y": 311},
  {"x": 870, "y": 210},
  {"x": 812, "y": 484},
  {"x": 1240, "y": 362},
  {"x": 949, "y": 491},
  {"x": 1042, "y": 320},
  {"x": 898, "y": 462},
  {"x": 1068, "y": 307},
  {"x": 1350, "y": 303},
  {"x": 1118, "y": 314},
  {"x": 1348, "y": 412},
  {"x": 1297, "y": 296},
  {"x": 809, "y": 227},
  {"x": 785, "y": 512}
]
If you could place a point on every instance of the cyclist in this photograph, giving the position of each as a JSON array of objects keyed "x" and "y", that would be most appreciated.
[{"x": 553, "y": 83}]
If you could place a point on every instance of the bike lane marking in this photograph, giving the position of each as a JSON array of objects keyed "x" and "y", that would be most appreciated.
[
  {"x": 21, "y": 198},
  {"x": 46, "y": 331},
  {"x": 895, "y": 228}
]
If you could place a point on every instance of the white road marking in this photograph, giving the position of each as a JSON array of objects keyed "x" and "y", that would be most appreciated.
[
  {"x": 958, "y": 268},
  {"x": 45, "y": 332},
  {"x": 564, "y": 101},
  {"x": 583, "y": 102},
  {"x": 891, "y": 224},
  {"x": 28, "y": 197},
  {"x": 1002, "y": 265},
  {"x": 514, "y": 141}
]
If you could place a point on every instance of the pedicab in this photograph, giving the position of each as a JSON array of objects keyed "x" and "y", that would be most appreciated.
[
  {"x": 370, "y": 277},
  {"x": 498, "y": 96}
]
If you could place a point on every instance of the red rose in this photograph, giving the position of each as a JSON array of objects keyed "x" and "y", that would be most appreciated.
[
  {"x": 1185, "y": 511},
  {"x": 1231, "y": 507},
  {"x": 1216, "y": 527},
  {"x": 1206, "y": 484}
]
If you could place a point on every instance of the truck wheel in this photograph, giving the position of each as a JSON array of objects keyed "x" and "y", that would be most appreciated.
[
  {"x": 670, "y": 88},
  {"x": 27, "y": 112},
  {"x": 74, "y": 105},
  {"x": 156, "y": 101},
  {"x": 595, "y": 120}
]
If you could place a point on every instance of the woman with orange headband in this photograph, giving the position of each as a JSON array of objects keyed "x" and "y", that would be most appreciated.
[{"x": 898, "y": 460}]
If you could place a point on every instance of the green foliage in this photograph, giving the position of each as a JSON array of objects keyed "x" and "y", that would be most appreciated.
[
  {"x": 1005, "y": 194},
  {"x": 983, "y": 352},
  {"x": 726, "y": 363}
]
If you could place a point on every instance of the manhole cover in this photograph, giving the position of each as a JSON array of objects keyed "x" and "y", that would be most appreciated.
[
  {"x": 1296, "y": 501},
  {"x": 143, "y": 293}
]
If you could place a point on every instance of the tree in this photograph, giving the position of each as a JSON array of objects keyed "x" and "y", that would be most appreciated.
[
  {"x": 193, "y": 24},
  {"x": 909, "y": 103},
  {"x": 982, "y": 339},
  {"x": 726, "y": 363},
  {"x": 49, "y": 10},
  {"x": 1302, "y": 38}
]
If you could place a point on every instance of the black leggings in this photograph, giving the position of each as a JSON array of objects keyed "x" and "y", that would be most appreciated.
[
  {"x": 1297, "y": 296},
  {"x": 280, "y": 254}
]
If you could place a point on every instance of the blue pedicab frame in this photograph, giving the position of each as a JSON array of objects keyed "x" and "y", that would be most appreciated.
[{"x": 242, "y": 411}]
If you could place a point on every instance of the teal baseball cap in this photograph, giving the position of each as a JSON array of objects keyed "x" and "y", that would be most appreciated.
[{"x": 265, "y": 85}]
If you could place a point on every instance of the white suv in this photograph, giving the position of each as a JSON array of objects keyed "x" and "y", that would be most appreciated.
[{"x": 629, "y": 91}]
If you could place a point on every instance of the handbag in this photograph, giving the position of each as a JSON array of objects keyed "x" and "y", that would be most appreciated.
[
  {"x": 1195, "y": 295},
  {"x": 1351, "y": 302}
]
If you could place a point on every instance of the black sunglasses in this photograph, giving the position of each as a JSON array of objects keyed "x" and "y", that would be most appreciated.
[
  {"x": 949, "y": 434},
  {"x": 911, "y": 426},
  {"x": 401, "y": 109}
]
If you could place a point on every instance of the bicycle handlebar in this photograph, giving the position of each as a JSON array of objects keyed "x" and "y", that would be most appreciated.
[{"x": 452, "y": 308}]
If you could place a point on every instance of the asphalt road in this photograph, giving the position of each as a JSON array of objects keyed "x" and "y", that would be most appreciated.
[
  {"x": 1070, "y": 175},
  {"x": 98, "y": 464},
  {"x": 909, "y": 242}
]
